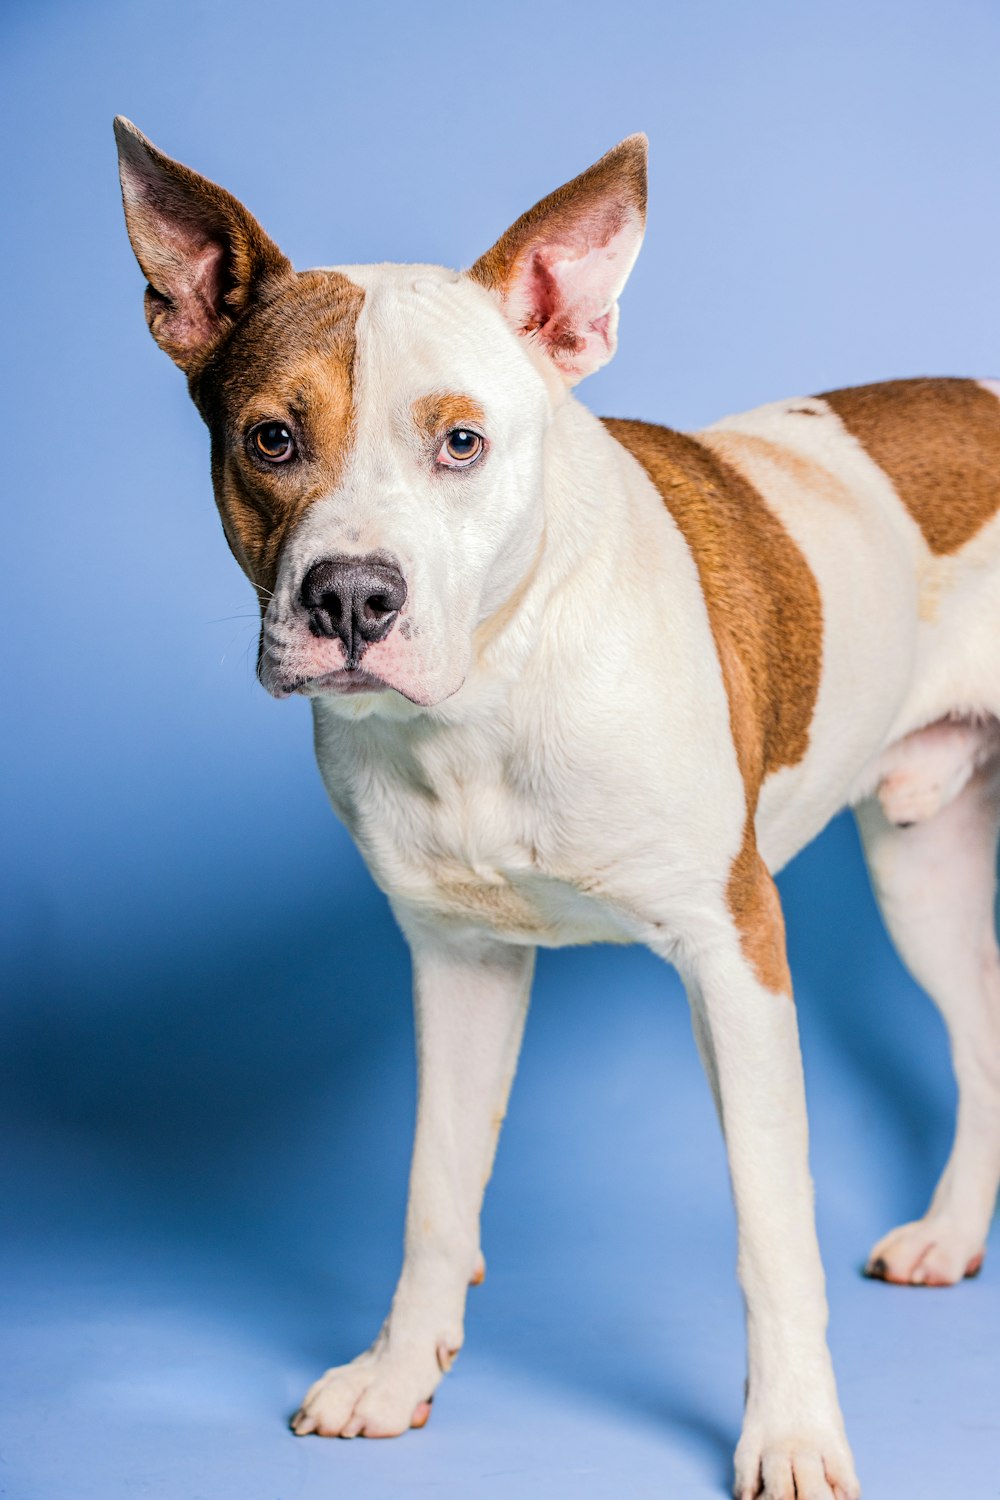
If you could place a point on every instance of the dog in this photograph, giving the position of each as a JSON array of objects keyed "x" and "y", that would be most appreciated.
[{"x": 580, "y": 680}]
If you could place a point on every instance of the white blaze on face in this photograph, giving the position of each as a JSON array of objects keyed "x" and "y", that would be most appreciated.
[{"x": 463, "y": 538}]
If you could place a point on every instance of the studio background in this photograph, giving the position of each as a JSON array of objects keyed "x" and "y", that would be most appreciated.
[{"x": 206, "y": 1050}]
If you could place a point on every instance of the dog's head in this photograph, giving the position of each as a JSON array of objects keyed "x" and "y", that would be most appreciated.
[{"x": 377, "y": 431}]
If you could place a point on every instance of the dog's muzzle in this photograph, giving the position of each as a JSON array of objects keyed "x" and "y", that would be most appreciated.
[{"x": 355, "y": 598}]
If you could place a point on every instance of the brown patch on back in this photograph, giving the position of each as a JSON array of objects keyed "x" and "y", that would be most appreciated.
[
  {"x": 766, "y": 618},
  {"x": 291, "y": 359},
  {"x": 938, "y": 440},
  {"x": 437, "y": 414}
]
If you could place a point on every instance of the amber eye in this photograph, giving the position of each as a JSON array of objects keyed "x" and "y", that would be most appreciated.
[
  {"x": 460, "y": 448},
  {"x": 273, "y": 442}
]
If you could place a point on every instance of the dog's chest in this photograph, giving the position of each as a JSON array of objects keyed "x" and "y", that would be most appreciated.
[{"x": 457, "y": 830}]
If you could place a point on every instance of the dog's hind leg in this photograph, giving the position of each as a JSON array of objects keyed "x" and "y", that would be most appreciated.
[
  {"x": 470, "y": 1000},
  {"x": 936, "y": 885}
]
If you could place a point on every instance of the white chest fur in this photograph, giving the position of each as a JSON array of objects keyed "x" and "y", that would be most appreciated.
[{"x": 465, "y": 823}]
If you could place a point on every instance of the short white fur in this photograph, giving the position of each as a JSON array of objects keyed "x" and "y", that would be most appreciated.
[{"x": 534, "y": 777}]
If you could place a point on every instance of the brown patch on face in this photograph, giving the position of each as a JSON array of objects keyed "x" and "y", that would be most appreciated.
[
  {"x": 939, "y": 442},
  {"x": 766, "y": 618},
  {"x": 291, "y": 360},
  {"x": 437, "y": 414}
]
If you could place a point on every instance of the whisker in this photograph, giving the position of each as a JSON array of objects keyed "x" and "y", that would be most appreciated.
[
  {"x": 228, "y": 648},
  {"x": 264, "y": 650}
]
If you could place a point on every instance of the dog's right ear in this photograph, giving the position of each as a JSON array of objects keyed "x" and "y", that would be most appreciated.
[{"x": 204, "y": 255}]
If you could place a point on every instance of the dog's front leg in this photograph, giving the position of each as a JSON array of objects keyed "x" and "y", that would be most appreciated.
[
  {"x": 793, "y": 1441},
  {"x": 470, "y": 1000}
]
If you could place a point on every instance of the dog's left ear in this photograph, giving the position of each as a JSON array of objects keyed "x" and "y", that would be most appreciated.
[{"x": 559, "y": 271}]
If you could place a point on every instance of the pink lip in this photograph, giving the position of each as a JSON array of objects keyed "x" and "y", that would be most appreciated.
[{"x": 343, "y": 683}]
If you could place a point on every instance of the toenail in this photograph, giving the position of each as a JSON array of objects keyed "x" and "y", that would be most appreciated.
[
  {"x": 876, "y": 1268},
  {"x": 421, "y": 1413}
]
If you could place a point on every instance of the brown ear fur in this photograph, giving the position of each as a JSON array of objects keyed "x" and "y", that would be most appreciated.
[
  {"x": 559, "y": 270},
  {"x": 204, "y": 255},
  {"x": 608, "y": 190}
]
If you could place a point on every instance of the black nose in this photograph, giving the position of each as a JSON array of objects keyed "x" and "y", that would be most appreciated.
[{"x": 355, "y": 598}]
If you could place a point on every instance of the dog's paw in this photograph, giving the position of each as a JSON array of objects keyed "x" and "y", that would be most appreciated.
[
  {"x": 378, "y": 1395},
  {"x": 929, "y": 1252},
  {"x": 809, "y": 1465}
]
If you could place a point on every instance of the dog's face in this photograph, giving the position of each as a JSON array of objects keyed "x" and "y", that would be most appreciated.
[{"x": 378, "y": 431}]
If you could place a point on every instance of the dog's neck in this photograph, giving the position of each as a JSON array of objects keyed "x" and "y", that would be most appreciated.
[{"x": 583, "y": 500}]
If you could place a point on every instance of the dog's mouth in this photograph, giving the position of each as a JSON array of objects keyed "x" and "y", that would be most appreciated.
[
  {"x": 298, "y": 669},
  {"x": 340, "y": 683}
]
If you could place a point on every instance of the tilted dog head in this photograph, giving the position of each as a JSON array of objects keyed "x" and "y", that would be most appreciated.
[{"x": 377, "y": 431}]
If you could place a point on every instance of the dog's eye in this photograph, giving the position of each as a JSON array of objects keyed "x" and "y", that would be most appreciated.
[
  {"x": 272, "y": 441},
  {"x": 460, "y": 448}
]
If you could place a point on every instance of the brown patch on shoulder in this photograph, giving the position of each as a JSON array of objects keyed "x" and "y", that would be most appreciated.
[
  {"x": 938, "y": 440},
  {"x": 766, "y": 618},
  {"x": 439, "y": 413},
  {"x": 763, "y": 601},
  {"x": 291, "y": 360}
]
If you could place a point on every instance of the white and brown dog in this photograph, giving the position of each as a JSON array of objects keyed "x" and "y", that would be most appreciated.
[{"x": 579, "y": 680}]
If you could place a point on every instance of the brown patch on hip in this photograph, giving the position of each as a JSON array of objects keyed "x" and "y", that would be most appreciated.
[
  {"x": 938, "y": 440},
  {"x": 766, "y": 618}
]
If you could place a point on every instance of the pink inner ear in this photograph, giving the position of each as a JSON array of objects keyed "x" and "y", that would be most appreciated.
[
  {"x": 565, "y": 294},
  {"x": 183, "y": 257},
  {"x": 197, "y": 294}
]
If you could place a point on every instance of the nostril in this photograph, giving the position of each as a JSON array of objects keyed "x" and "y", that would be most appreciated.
[
  {"x": 326, "y": 617},
  {"x": 321, "y": 585},
  {"x": 332, "y": 605},
  {"x": 380, "y": 604}
]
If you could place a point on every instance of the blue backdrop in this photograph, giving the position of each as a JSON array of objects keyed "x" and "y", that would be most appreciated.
[{"x": 206, "y": 1052}]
